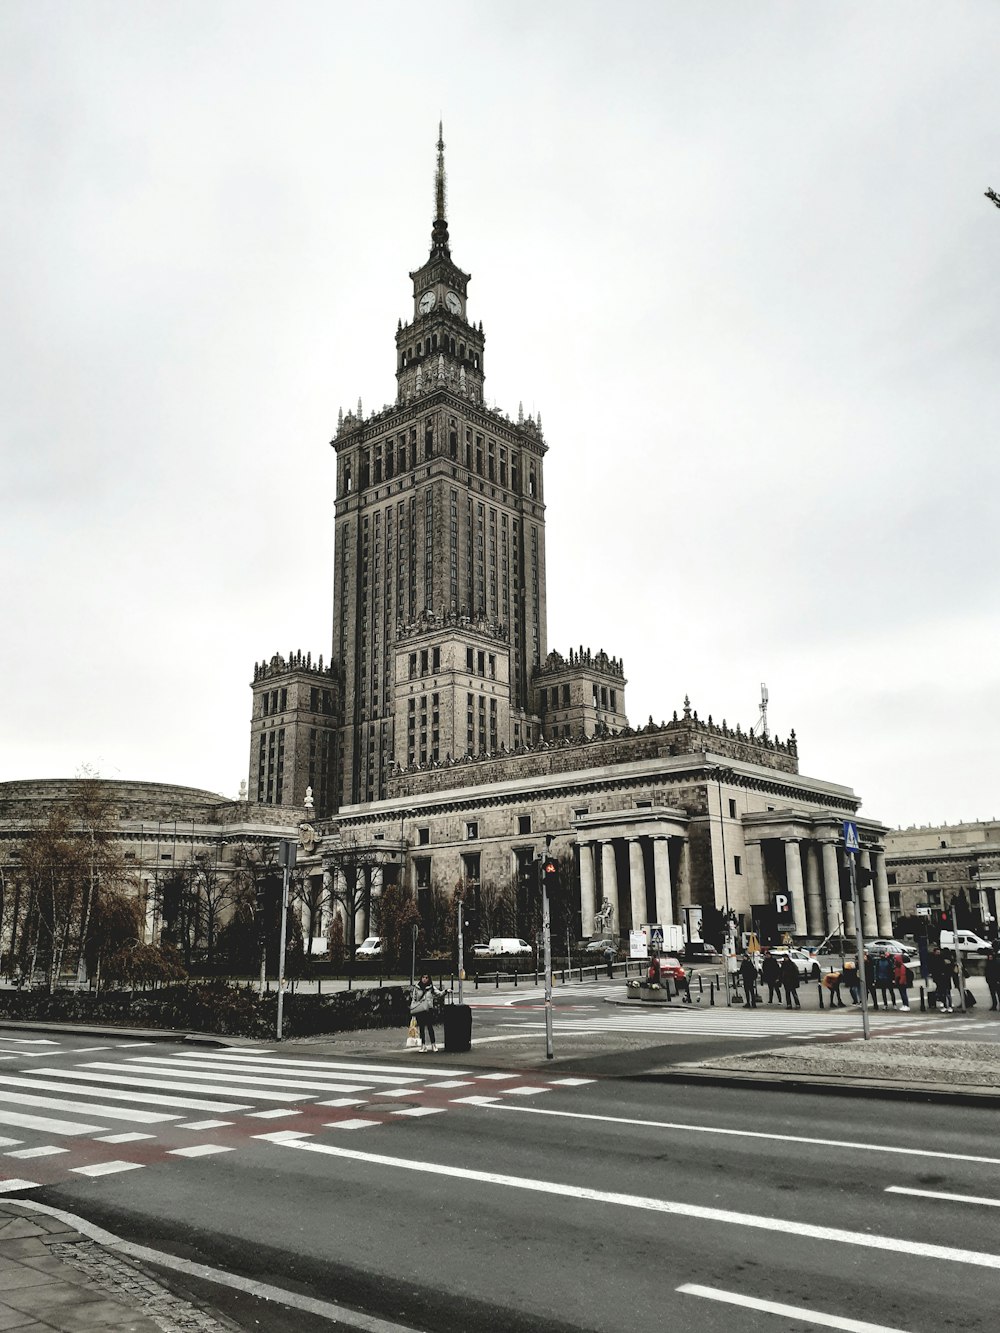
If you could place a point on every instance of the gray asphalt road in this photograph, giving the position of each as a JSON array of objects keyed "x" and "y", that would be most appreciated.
[{"x": 538, "y": 1204}]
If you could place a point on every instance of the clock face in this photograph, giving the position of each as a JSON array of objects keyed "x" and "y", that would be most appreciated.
[
  {"x": 426, "y": 302},
  {"x": 454, "y": 303}
]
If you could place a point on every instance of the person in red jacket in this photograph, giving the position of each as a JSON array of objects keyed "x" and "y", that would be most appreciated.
[{"x": 901, "y": 976}]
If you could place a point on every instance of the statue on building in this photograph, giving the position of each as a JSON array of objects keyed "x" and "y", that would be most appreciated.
[
  {"x": 307, "y": 838},
  {"x": 308, "y": 802}
]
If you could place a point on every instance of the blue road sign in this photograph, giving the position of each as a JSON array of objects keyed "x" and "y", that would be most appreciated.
[
  {"x": 851, "y": 843},
  {"x": 656, "y": 937}
]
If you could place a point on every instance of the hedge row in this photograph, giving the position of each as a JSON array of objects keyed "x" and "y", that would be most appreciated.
[{"x": 216, "y": 1008}]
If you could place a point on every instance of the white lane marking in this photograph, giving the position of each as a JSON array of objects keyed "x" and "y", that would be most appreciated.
[
  {"x": 178, "y": 1085},
  {"x": 475, "y": 1101},
  {"x": 198, "y": 1150},
  {"x": 351, "y": 1124},
  {"x": 282, "y": 1135},
  {"x": 125, "y": 1138},
  {"x": 517, "y": 1036},
  {"x": 93, "y": 1090},
  {"x": 12, "y": 1186},
  {"x": 410, "y": 1110},
  {"x": 409, "y": 1092},
  {"x": 47, "y": 1125},
  {"x": 30, "y": 1041},
  {"x": 9, "y": 1143},
  {"x": 157, "y": 1099},
  {"x": 228, "y": 1074},
  {"x": 344, "y": 1101},
  {"x": 106, "y": 1168},
  {"x": 339, "y": 1068},
  {"x": 86, "y": 1050},
  {"x": 787, "y": 1311},
  {"x": 272, "y": 1115},
  {"x": 902, "y": 1189},
  {"x": 454, "y": 1083},
  {"x": 206, "y": 1124},
  {"x": 524, "y": 1092},
  {"x": 264, "y": 1291},
  {"x": 128, "y": 1045},
  {"x": 571, "y": 1082},
  {"x": 802, "y": 1230},
  {"x": 49, "y": 1150},
  {"x": 494, "y": 1103},
  {"x": 108, "y": 1112},
  {"x": 483, "y": 1077}
]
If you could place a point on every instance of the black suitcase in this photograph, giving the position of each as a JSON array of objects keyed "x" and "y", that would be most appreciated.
[{"x": 457, "y": 1023}]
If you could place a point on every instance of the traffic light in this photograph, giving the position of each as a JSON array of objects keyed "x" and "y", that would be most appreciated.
[
  {"x": 531, "y": 877},
  {"x": 863, "y": 876},
  {"x": 550, "y": 876}
]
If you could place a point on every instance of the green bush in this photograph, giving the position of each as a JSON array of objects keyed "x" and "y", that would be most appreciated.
[{"x": 215, "y": 1007}]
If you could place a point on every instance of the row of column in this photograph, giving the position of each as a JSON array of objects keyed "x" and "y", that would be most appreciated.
[
  {"x": 336, "y": 883},
  {"x": 662, "y": 887},
  {"x": 817, "y": 907}
]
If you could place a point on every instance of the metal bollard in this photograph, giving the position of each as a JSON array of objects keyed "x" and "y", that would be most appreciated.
[
  {"x": 819, "y": 987},
  {"x": 701, "y": 987},
  {"x": 923, "y": 1001},
  {"x": 497, "y": 974},
  {"x": 515, "y": 980},
  {"x": 711, "y": 992}
]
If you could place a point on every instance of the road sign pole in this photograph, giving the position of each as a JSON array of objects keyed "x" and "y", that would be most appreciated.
[
  {"x": 461, "y": 951},
  {"x": 958, "y": 957},
  {"x": 547, "y": 943},
  {"x": 859, "y": 945},
  {"x": 287, "y": 851}
]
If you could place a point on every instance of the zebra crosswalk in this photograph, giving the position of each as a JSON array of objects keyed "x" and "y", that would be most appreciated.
[{"x": 92, "y": 1118}]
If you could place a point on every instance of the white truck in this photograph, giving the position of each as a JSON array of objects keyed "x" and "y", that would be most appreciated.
[{"x": 968, "y": 941}]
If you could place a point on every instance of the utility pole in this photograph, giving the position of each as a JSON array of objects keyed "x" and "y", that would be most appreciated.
[
  {"x": 547, "y": 945},
  {"x": 461, "y": 948},
  {"x": 958, "y": 952},
  {"x": 286, "y": 859}
]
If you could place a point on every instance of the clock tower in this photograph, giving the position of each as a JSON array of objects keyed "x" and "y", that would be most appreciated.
[
  {"x": 439, "y": 564},
  {"x": 440, "y": 346}
]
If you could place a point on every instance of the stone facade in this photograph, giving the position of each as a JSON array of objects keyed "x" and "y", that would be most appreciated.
[
  {"x": 929, "y": 866},
  {"x": 293, "y": 733}
]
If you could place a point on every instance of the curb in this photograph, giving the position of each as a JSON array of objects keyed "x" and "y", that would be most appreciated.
[
  {"x": 141, "y": 1034},
  {"x": 821, "y": 1086}
]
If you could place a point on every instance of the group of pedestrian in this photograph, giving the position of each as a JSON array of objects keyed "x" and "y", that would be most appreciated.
[{"x": 775, "y": 974}]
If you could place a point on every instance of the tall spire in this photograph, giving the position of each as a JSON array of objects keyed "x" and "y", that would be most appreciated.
[{"x": 439, "y": 232}]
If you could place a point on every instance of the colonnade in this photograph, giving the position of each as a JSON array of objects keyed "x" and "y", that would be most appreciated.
[
  {"x": 662, "y": 885},
  {"x": 812, "y": 877}
]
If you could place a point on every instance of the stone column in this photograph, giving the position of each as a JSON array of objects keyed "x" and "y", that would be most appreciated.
[
  {"x": 637, "y": 883},
  {"x": 883, "y": 914},
  {"x": 375, "y": 893},
  {"x": 831, "y": 886},
  {"x": 814, "y": 894},
  {"x": 661, "y": 886},
  {"x": 870, "y": 925},
  {"x": 586, "y": 888},
  {"x": 756, "y": 880},
  {"x": 609, "y": 883},
  {"x": 361, "y": 903},
  {"x": 684, "y": 877},
  {"x": 793, "y": 874}
]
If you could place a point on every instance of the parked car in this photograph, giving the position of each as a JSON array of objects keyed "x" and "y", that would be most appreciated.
[
  {"x": 888, "y": 945},
  {"x": 599, "y": 946},
  {"x": 370, "y": 948},
  {"x": 506, "y": 944},
  {"x": 806, "y": 962},
  {"x": 672, "y": 967},
  {"x": 482, "y": 951}
]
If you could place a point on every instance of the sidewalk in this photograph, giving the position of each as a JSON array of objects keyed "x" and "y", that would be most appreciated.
[{"x": 55, "y": 1280}]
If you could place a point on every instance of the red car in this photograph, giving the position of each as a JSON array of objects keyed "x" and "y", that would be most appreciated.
[{"x": 671, "y": 967}]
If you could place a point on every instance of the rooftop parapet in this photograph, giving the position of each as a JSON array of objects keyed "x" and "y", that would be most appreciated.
[
  {"x": 600, "y": 662},
  {"x": 297, "y": 661}
]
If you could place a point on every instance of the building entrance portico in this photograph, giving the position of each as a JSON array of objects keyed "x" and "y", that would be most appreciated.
[{"x": 630, "y": 860}]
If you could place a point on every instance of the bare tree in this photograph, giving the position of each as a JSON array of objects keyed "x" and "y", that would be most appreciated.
[{"x": 349, "y": 867}]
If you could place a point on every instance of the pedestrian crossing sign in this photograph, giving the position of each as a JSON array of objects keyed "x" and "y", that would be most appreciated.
[{"x": 851, "y": 843}]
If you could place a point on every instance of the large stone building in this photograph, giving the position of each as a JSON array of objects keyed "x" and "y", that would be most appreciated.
[
  {"x": 928, "y": 868},
  {"x": 447, "y": 740}
]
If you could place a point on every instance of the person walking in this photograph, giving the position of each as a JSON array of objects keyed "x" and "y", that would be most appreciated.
[
  {"x": 942, "y": 974},
  {"x": 770, "y": 975},
  {"x": 884, "y": 968},
  {"x": 993, "y": 979},
  {"x": 852, "y": 980},
  {"x": 422, "y": 998},
  {"x": 902, "y": 976},
  {"x": 790, "y": 981},
  {"x": 610, "y": 954},
  {"x": 871, "y": 982},
  {"x": 748, "y": 974},
  {"x": 831, "y": 984}
]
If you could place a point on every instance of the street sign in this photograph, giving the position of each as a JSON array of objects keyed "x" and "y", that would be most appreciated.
[
  {"x": 783, "y": 911},
  {"x": 655, "y": 937},
  {"x": 753, "y": 944},
  {"x": 851, "y": 843},
  {"x": 637, "y": 946}
]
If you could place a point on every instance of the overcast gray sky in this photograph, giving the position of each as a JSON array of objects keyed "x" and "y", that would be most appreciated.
[{"x": 738, "y": 254}]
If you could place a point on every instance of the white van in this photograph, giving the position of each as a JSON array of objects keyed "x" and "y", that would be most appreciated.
[
  {"x": 370, "y": 948},
  {"x": 502, "y": 944},
  {"x": 968, "y": 942}
]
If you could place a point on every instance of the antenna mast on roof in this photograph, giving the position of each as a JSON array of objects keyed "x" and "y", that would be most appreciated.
[{"x": 760, "y": 726}]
